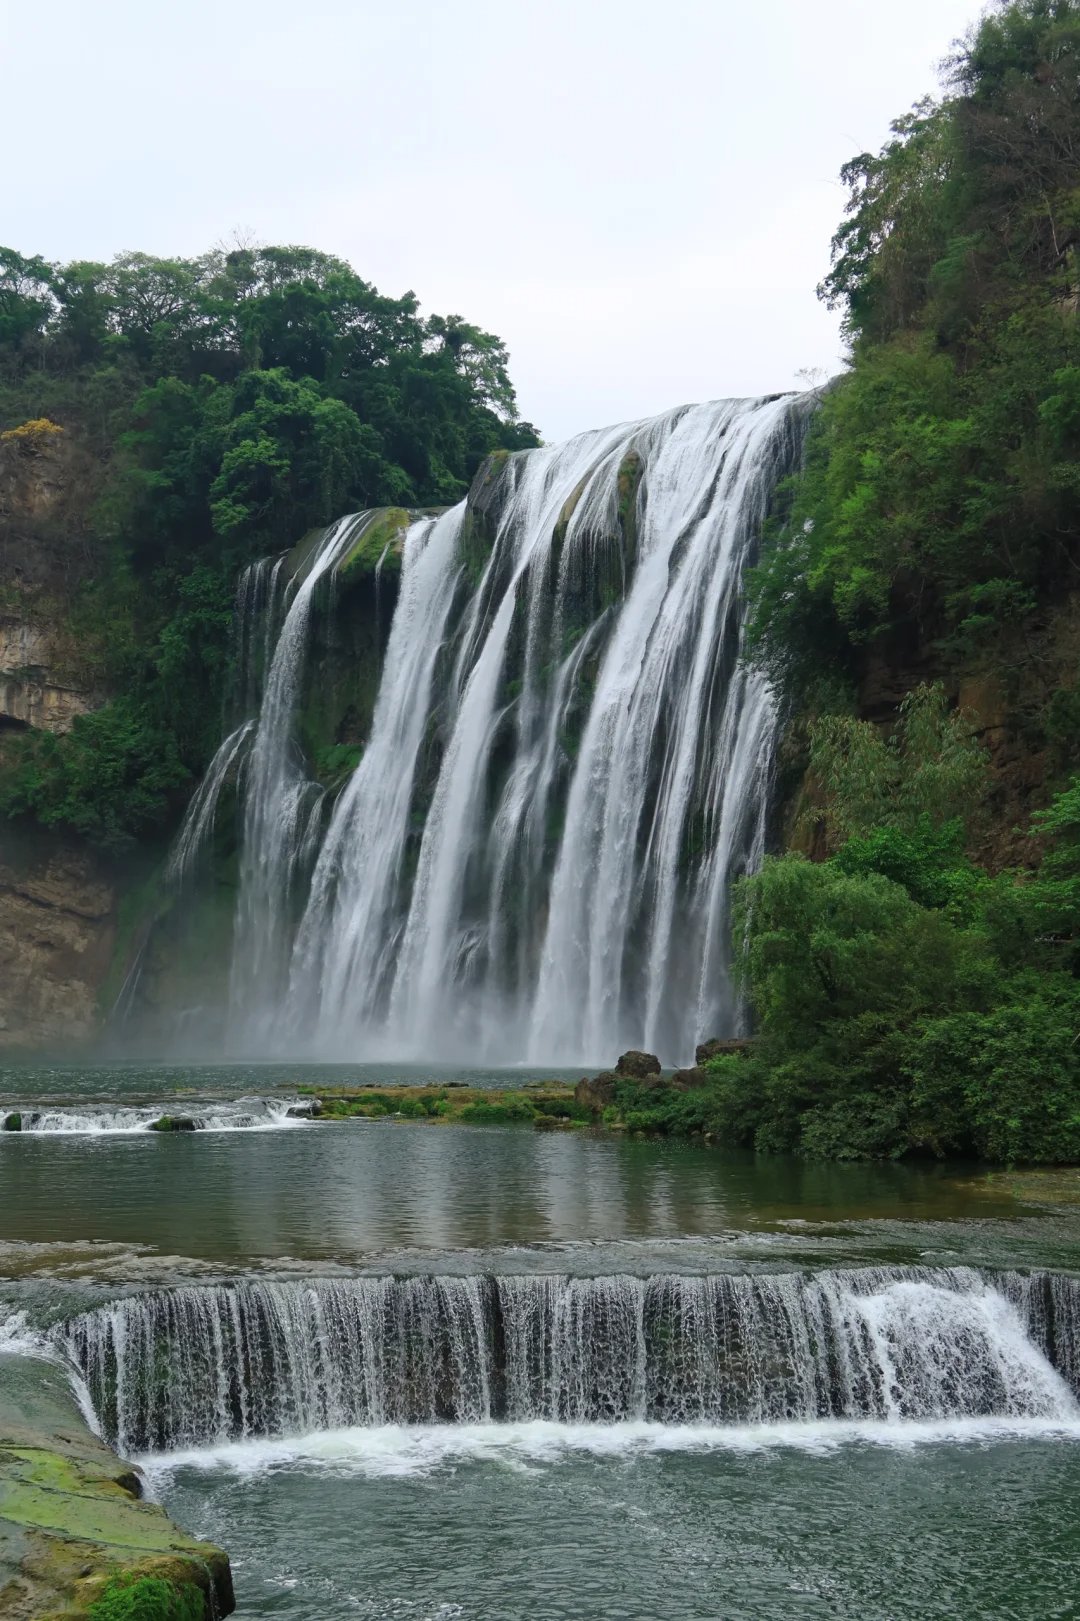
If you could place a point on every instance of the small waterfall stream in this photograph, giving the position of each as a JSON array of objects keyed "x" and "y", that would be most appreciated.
[
  {"x": 198, "y": 1365},
  {"x": 566, "y": 768}
]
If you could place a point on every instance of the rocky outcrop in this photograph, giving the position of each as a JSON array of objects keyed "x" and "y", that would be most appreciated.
[
  {"x": 643, "y": 1069},
  {"x": 730, "y": 1047},
  {"x": 31, "y": 691},
  {"x": 46, "y": 677},
  {"x": 73, "y": 1527},
  {"x": 57, "y": 930},
  {"x": 637, "y": 1066},
  {"x": 598, "y": 1093}
]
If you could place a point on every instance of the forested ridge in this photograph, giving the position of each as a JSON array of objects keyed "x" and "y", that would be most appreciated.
[
  {"x": 912, "y": 992},
  {"x": 221, "y": 406}
]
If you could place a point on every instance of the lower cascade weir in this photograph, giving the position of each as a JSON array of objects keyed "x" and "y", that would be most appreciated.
[
  {"x": 196, "y": 1365},
  {"x": 564, "y": 769}
]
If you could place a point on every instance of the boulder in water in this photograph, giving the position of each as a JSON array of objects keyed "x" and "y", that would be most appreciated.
[
  {"x": 304, "y": 1111},
  {"x": 635, "y": 1066},
  {"x": 11, "y": 1122},
  {"x": 173, "y": 1122}
]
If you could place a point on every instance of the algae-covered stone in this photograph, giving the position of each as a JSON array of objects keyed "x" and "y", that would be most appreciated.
[
  {"x": 173, "y": 1122},
  {"x": 76, "y": 1539},
  {"x": 11, "y": 1122}
]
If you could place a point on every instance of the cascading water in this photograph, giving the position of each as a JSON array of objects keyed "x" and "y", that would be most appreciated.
[
  {"x": 280, "y": 800},
  {"x": 239, "y": 1114},
  {"x": 204, "y": 1364},
  {"x": 566, "y": 769}
]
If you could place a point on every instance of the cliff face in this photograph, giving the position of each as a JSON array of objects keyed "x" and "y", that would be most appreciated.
[
  {"x": 57, "y": 903},
  {"x": 57, "y": 930},
  {"x": 44, "y": 560}
]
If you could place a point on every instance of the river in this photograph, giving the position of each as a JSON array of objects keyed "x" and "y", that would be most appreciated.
[{"x": 417, "y": 1370}]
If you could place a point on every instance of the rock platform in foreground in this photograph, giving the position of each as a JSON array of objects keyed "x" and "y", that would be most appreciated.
[{"x": 73, "y": 1527}]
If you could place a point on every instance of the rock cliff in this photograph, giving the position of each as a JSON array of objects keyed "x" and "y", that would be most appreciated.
[
  {"x": 57, "y": 930},
  {"x": 57, "y": 902},
  {"x": 46, "y": 678}
]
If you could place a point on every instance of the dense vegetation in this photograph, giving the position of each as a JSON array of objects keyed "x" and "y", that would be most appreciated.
[
  {"x": 227, "y": 403},
  {"x": 907, "y": 997}
]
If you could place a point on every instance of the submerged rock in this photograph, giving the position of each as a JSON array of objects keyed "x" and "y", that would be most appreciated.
[
  {"x": 173, "y": 1122},
  {"x": 305, "y": 1111}
]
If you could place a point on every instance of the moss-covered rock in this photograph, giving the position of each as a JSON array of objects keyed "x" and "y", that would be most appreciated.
[
  {"x": 379, "y": 545},
  {"x": 173, "y": 1122},
  {"x": 75, "y": 1537}
]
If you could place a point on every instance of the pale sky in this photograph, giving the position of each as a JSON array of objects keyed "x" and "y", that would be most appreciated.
[{"x": 637, "y": 197}]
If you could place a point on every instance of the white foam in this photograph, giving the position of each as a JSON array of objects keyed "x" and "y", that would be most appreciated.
[
  {"x": 243, "y": 1114},
  {"x": 399, "y": 1450}
]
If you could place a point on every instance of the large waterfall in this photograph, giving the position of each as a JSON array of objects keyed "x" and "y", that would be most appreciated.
[
  {"x": 566, "y": 768},
  {"x": 206, "y": 1364}
]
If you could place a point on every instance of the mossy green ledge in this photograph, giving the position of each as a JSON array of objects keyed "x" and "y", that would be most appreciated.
[{"x": 76, "y": 1537}]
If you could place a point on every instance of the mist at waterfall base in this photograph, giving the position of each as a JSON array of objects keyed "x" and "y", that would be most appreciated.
[{"x": 567, "y": 766}]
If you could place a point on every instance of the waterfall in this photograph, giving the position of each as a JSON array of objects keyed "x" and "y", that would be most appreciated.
[
  {"x": 198, "y": 824},
  {"x": 203, "y": 1364},
  {"x": 567, "y": 764},
  {"x": 280, "y": 800},
  {"x": 344, "y": 952}
]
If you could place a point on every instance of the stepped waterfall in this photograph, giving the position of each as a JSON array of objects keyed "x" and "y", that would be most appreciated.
[
  {"x": 567, "y": 763},
  {"x": 207, "y": 1364}
]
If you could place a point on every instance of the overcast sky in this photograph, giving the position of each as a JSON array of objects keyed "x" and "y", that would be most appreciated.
[{"x": 637, "y": 197}]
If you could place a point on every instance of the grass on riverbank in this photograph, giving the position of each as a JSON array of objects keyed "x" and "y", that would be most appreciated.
[
  {"x": 655, "y": 1109},
  {"x": 541, "y": 1105}
]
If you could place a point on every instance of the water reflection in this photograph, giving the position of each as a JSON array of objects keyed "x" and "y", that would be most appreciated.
[{"x": 364, "y": 1188}]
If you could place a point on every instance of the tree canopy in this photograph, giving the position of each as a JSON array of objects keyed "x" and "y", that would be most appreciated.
[{"x": 229, "y": 402}]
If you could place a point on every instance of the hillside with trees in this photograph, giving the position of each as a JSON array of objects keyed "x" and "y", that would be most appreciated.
[
  {"x": 916, "y": 984},
  {"x": 208, "y": 411}
]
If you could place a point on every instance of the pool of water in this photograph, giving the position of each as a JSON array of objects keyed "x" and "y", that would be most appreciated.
[
  {"x": 551, "y": 1528},
  {"x": 863, "y": 1520}
]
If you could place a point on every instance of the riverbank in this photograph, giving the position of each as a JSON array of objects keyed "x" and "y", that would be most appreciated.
[
  {"x": 637, "y": 1095},
  {"x": 76, "y": 1537}
]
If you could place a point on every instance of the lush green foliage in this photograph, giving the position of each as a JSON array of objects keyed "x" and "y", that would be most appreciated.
[
  {"x": 230, "y": 402},
  {"x": 147, "y": 1598},
  {"x": 906, "y": 999},
  {"x": 939, "y": 501}
]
